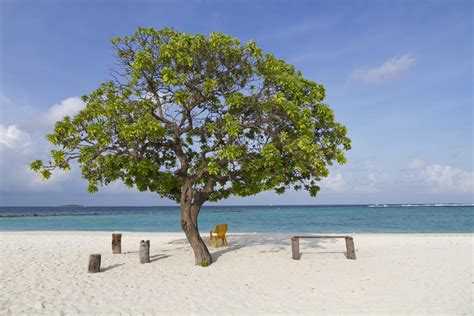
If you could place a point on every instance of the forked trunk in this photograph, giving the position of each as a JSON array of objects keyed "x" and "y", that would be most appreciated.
[{"x": 189, "y": 224}]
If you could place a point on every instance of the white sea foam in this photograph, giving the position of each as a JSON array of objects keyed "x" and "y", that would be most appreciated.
[
  {"x": 423, "y": 205},
  {"x": 438, "y": 205}
]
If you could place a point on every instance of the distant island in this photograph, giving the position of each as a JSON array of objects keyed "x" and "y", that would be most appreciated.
[{"x": 71, "y": 205}]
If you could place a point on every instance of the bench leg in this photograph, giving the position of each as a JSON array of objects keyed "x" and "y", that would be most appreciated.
[
  {"x": 350, "y": 248},
  {"x": 295, "y": 248}
]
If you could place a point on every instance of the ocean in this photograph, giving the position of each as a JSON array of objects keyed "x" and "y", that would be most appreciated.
[{"x": 378, "y": 218}]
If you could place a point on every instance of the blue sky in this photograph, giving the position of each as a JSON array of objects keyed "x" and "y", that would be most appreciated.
[{"x": 398, "y": 74}]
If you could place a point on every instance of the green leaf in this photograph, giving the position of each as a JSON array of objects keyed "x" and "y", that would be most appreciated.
[{"x": 209, "y": 111}]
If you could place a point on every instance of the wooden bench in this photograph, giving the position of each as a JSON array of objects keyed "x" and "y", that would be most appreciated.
[{"x": 295, "y": 245}]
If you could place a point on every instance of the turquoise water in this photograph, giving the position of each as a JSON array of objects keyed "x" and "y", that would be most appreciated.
[{"x": 441, "y": 218}]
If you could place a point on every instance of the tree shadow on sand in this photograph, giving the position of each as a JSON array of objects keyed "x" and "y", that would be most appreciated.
[{"x": 277, "y": 242}]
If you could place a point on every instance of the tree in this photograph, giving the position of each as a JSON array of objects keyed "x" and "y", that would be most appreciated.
[{"x": 198, "y": 119}]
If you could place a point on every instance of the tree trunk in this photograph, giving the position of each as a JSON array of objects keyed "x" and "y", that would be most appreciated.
[{"x": 190, "y": 207}]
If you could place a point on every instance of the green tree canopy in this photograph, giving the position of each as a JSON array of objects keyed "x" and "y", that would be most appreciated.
[{"x": 197, "y": 119}]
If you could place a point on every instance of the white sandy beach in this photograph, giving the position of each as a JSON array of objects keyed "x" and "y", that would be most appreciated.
[{"x": 46, "y": 273}]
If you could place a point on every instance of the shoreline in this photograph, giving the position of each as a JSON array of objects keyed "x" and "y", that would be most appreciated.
[
  {"x": 46, "y": 273},
  {"x": 228, "y": 234}
]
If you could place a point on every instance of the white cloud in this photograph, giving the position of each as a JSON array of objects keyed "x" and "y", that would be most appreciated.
[
  {"x": 334, "y": 183},
  {"x": 361, "y": 178},
  {"x": 68, "y": 107},
  {"x": 442, "y": 178},
  {"x": 388, "y": 71},
  {"x": 17, "y": 150},
  {"x": 415, "y": 164},
  {"x": 447, "y": 178},
  {"x": 370, "y": 183},
  {"x": 13, "y": 138},
  {"x": 22, "y": 144}
]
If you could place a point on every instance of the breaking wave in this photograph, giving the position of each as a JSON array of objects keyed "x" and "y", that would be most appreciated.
[{"x": 423, "y": 205}]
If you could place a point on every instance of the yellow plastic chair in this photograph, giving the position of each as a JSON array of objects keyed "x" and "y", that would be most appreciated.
[{"x": 219, "y": 232}]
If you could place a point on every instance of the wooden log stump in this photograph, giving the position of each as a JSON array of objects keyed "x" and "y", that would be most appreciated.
[
  {"x": 116, "y": 243},
  {"x": 94, "y": 263},
  {"x": 144, "y": 251},
  {"x": 350, "y": 249},
  {"x": 295, "y": 248}
]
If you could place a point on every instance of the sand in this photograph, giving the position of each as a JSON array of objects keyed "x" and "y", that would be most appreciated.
[{"x": 46, "y": 273}]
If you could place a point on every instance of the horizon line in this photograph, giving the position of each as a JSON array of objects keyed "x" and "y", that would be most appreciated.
[{"x": 253, "y": 205}]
